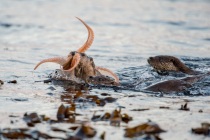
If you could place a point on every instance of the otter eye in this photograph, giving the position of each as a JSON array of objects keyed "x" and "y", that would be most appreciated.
[
  {"x": 83, "y": 54},
  {"x": 150, "y": 58},
  {"x": 73, "y": 53},
  {"x": 91, "y": 77}
]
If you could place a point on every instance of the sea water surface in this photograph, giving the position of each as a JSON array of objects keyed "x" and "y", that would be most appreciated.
[{"x": 126, "y": 34}]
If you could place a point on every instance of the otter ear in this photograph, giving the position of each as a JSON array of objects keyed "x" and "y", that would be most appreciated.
[
  {"x": 108, "y": 72},
  {"x": 75, "y": 61},
  {"x": 58, "y": 60},
  {"x": 176, "y": 62}
]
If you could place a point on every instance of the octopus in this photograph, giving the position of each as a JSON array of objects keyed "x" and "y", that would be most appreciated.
[
  {"x": 77, "y": 66},
  {"x": 171, "y": 63},
  {"x": 165, "y": 63}
]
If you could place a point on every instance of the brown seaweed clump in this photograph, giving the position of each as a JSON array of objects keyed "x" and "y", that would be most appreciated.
[
  {"x": 203, "y": 130},
  {"x": 184, "y": 107},
  {"x": 66, "y": 113},
  {"x": 1, "y": 82},
  {"x": 149, "y": 129},
  {"x": 115, "y": 117},
  {"x": 83, "y": 132}
]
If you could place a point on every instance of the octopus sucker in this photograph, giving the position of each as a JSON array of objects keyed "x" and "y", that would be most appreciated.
[{"x": 58, "y": 60}]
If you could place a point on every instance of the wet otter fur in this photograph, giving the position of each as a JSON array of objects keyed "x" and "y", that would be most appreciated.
[
  {"x": 165, "y": 63},
  {"x": 176, "y": 85},
  {"x": 85, "y": 71},
  {"x": 170, "y": 63}
]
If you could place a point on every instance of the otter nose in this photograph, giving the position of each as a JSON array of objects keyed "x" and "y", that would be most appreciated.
[{"x": 149, "y": 59}]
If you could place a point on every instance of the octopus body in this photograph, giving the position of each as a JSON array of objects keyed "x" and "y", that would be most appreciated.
[
  {"x": 77, "y": 65},
  {"x": 164, "y": 63}
]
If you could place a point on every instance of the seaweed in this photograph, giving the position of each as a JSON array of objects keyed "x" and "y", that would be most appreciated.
[
  {"x": 184, "y": 107},
  {"x": 12, "y": 81},
  {"x": 149, "y": 128},
  {"x": 203, "y": 130}
]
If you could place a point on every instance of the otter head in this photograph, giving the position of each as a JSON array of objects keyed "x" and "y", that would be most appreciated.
[
  {"x": 164, "y": 63},
  {"x": 102, "y": 80}
]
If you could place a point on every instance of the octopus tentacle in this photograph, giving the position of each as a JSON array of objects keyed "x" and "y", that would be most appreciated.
[
  {"x": 90, "y": 38},
  {"x": 108, "y": 72},
  {"x": 58, "y": 60},
  {"x": 75, "y": 61}
]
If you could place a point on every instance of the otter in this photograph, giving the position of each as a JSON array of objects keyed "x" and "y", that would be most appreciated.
[
  {"x": 78, "y": 67},
  {"x": 165, "y": 63}
]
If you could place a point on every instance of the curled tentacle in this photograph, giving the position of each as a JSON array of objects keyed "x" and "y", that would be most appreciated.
[
  {"x": 74, "y": 62},
  {"x": 58, "y": 60},
  {"x": 108, "y": 72},
  {"x": 90, "y": 38}
]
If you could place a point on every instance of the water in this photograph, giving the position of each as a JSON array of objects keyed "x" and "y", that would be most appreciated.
[{"x": 126, "y": 34}]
